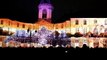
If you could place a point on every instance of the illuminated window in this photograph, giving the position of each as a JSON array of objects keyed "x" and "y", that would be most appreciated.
[
  {"x": 85, "y": 22},
  {"x": 77, "y": 22},
  {"x": 23, "y": 25},
  {"x": 77, "y": 29},
  {"x": 106, "y": 30},
  {"x": 96, "y": 30},
  {"x": 95, "y": 21},
  {"x": 1, "y": 21},
  {"x": 85, "y": 30},
  {"x": 105, "y": 22}
]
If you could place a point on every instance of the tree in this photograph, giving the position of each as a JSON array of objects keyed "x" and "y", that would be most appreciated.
[
  {"x": 89, "y": 34},
  {"x": 105, "y": 34},
  {"x": 1, "y": 30},
  {"x": 56, "y": 33},
  {"x": 68, "y": 34},
  {"x": 101, "y": 35},
  {"x": 29, "y": 30},
  {"x": 78, "y": 34}
]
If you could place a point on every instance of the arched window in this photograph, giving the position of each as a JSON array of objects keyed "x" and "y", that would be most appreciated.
[
  {"x": 85, "y": 30},
  {"x": 85, "y": 22},
  {"x": 17, "y": 24},
  {"x": 95, "y": 21},
  {"x": 106, "y": 22},
  {"x": 44, "y": 14},
  {"x": 23, "y": 25},
  {"x": 77, "y": 22},
  {"x": 105, "y": 29},
  {"x": 77, "y": 29},
  {"x": 95, "y": 30}
]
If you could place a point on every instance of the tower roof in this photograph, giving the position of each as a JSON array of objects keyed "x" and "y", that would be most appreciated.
[{"x": 45, "y": 1}]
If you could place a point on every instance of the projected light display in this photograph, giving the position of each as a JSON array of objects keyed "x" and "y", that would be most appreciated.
[{"x": 73, "y": 32}]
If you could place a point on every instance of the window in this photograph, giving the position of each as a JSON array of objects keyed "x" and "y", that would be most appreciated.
[
  {"x": 77, "y": 22},
  {"x": 23, "y": 25},
  {"x": 85, "y": 22},
  {"x": 17, "y": 24},
  {"x": 105, "y": 29},
  {"x": 9, "y": 23},
  {"x": 33, "y": 27},
  {"x": 1, "y": 21},
  {"x": 96, "y": 30},
  {"x": 95, "y": 21},
  {"x": 77, "y": 29},
  {"x": 1, "y": 30},
  {"x": 106, "y": 22},
  {"x": 56, "y": 26},
  {"x": 62, "y": 26},
  {"x": 44, "y": 14},
  {"x": 85, "y": 30}
]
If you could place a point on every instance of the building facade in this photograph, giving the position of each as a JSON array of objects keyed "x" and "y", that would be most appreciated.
[{"x": 73, "y": 25}]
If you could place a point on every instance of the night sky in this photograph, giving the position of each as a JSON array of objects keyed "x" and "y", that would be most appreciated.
[{"x": 27, "y": 10}]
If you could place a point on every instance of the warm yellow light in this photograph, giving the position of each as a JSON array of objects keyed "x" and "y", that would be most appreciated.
[
  {"x": 5, "y": 28},
  {"x": 13, "y": 30}
]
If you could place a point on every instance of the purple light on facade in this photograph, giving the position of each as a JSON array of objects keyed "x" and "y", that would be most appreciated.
[{"x": 45, "y": 8}]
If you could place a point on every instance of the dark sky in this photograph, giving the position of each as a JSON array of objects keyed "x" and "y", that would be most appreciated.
[{"x": 27, "y": 10}]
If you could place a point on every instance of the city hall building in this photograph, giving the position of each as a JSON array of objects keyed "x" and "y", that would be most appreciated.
[{"x": 73, "y": 25}]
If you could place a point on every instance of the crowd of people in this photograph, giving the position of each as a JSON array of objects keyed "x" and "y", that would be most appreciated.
[{"x": 58, "y": 51}]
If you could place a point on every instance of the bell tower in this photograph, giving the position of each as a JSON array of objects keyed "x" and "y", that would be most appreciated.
[{"x": 45, "y": 10}]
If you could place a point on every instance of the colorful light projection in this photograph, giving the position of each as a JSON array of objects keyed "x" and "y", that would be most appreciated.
[{"x": 45, "y": 11}]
